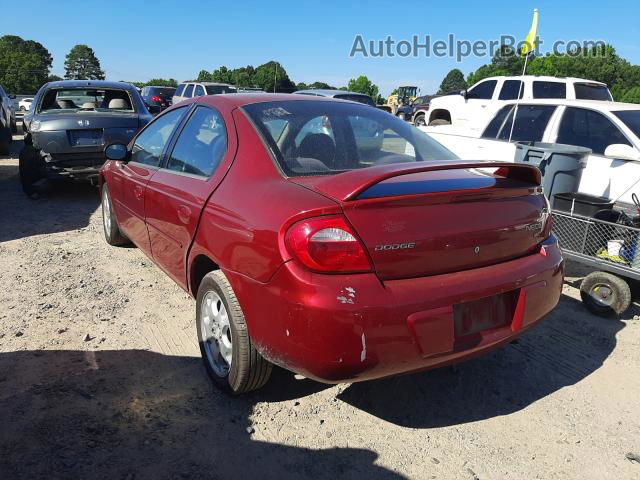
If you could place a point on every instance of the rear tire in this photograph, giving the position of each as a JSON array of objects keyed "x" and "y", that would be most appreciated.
[
  {"x": 439, "y": 121},
  {"x": 112, "y": 233},
  {"x": 605, "y": 294},
  {"x": 5, "y": 140},
  {"x": 420, "y": 121},
  {"x": 29, "y": 165},
  {"x": 219, "y": 319}
]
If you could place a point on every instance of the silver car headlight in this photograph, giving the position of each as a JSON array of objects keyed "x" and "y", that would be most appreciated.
[{"x": 35, "y": 126}]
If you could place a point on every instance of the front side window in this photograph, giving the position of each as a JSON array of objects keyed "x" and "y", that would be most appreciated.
[
  {"x": 325, "y": 138},
  {"x": 549, "y": 89},
  {"x": 482, "y": 91},
  {"x": 189, "y": 91},
  {"x": 201, "y": 144},
  {"x": 586, "y": 128},
  {"x": 511, "y": 90},
  {"x": 151, "y": 142},
  {"x": 530, "y": 125}
]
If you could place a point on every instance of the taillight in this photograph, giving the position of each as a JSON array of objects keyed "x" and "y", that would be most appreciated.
[
  {"x": 156, "y": 99},
  {"x": 327, "y": 244}
]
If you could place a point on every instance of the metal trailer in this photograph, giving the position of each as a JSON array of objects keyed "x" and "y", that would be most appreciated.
[{"x": 611, "y": 249}]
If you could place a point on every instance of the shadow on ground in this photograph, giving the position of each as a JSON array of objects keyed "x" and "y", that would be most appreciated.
[
  {"x": 566, "y": 348},
  {"x": 63, "y": 206},
  {"x": 135, "y": 414}
]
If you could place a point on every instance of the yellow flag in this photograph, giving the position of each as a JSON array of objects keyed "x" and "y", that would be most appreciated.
[{"x": 532, "y": 39}]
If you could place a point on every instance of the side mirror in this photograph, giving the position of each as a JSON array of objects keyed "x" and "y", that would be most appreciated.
[
  {"x": 154, "y": 109},
  {"x": 464, "y": 93},
  {"x": 116, "y": 151},
  {"x": 622, "y": 152}
]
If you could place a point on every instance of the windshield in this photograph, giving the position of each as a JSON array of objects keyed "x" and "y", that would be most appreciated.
[
  {"x": 592, "y": 91},
  {"x": 217, "y": 89},
  {"x": 365, "y": 99},
  {"x": 631, "y": 118},
  {"x": 82, "y": 99},
  {"x": 325, "y": 138}
]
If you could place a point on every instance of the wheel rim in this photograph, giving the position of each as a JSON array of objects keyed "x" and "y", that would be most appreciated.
[
  {"x": 420, "y": 122},
  {"x": 216, "y": 333},
  {"x": 106, "y": 212},
  {"x": 602, "y": 294}
]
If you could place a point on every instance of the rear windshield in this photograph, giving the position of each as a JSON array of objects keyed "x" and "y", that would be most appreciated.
[
  {"x": 357, "y": 98},
  {"x": 631, "y": 119},
  {"x": 164, "y": 91},
  {"x": 109, "y": 100},
  {"x": 592, "y": 91},
  {"x": 217, "y": 89},
  {"x": 325, "y": 138}
]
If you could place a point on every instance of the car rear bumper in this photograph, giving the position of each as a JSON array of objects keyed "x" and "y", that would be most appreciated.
[{"x": 337, "y": 328}]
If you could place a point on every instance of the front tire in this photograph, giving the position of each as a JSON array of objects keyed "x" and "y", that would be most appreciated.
[
  {"x": 29, "y": 166},
  {"x": 112, "y": 233},
  {"x": 229, "y": 356},
  {"x": 605, "y": 294},
  {"x": 420, "y": 120}
]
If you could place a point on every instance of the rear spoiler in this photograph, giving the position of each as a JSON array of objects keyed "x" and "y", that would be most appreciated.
[{"x": 347, "y": 186}]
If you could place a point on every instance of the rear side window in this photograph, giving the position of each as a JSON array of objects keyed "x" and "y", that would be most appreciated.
[
  {"x": 482, "y": 91},
  {"x": 150, "y": 144},
  {"x": 180, "y": 90},
  {"x": 201, "y": 144},
  {"x": 589, "y": 129},
  {"x": 549, "y": 89},
  {"x": 592, "y": 91},
  {"x": 199, "y": 91},
  {"x": 531, "y": 122},
  {"x": 511, "y": 89},
  {"x": 188, "y": 91}
]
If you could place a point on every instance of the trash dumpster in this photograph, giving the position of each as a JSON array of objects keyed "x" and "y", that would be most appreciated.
[{"x": 561, "y": 165}]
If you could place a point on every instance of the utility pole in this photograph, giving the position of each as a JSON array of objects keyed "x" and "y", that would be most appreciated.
[{"x": 275, "y": 78}]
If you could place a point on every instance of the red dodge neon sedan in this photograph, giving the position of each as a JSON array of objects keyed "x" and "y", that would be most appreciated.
[{"x": 331, "y": 238}]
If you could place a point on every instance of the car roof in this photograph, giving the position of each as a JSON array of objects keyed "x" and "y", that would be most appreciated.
[
  {"x": 328, "y": 93},
  {"x": 236, "y": 100},
  {"x": 210, "y": 84},
  {"x": 592, "y": 104},
  {"x": 89, "y": 83},
  {"x": 544, "y": 78}
]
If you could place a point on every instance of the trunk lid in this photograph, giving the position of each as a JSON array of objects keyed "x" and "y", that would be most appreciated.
[
  {"x": 87, "y": 120},
  {"x": 439, "y": 218}
]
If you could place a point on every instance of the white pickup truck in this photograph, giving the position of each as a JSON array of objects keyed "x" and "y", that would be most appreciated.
[
  {"x": 473, "y": 108},
  {"x": 610, "y": 129}
]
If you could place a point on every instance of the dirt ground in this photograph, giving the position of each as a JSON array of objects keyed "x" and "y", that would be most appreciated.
[{"x": 100, "y": 377}]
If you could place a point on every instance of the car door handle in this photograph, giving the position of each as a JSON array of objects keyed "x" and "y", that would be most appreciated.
[
  {"x": 184, "y": 214},
  {"x": 138, "y": 192}
]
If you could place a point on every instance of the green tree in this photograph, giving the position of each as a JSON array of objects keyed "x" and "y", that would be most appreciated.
[
  {"x": 204, "y": 76},
  {"x": 631, "y": 96},
  {"x": 272, "y": 74},
  {"x": 454, "y": 80},
  {"x": 54, "y": 78},
  {"x": 24, "y": 64},
  {"x": 221, "y": 75},
  {"x": 363, "y": 85},
  {"x": 163, "y": 82},
  {"x": 81, "y": 63}
]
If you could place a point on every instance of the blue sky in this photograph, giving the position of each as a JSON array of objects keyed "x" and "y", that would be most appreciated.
[{"x": 137, "y": 40}]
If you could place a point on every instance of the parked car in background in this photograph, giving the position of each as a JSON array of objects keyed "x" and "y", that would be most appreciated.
[
  {"x": 416, "y": 111},
  {"x": 472, "y": 108},
  {"x": 160, "y": 97},
  {"x": 610, "y": 129},
  {"x": 189, "y": 90},
  {"x": 25, "y": 104},
  {"x": 250, "y": 90},
  {"x": 7, "y": 121},
  {"x": 70, "y": 123},
  {"x": 339, "y": 94},
  {"x": 366, "y": 264}
]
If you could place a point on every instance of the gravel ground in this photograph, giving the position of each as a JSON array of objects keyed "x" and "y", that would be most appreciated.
[{"x": 100, "y": 378}]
